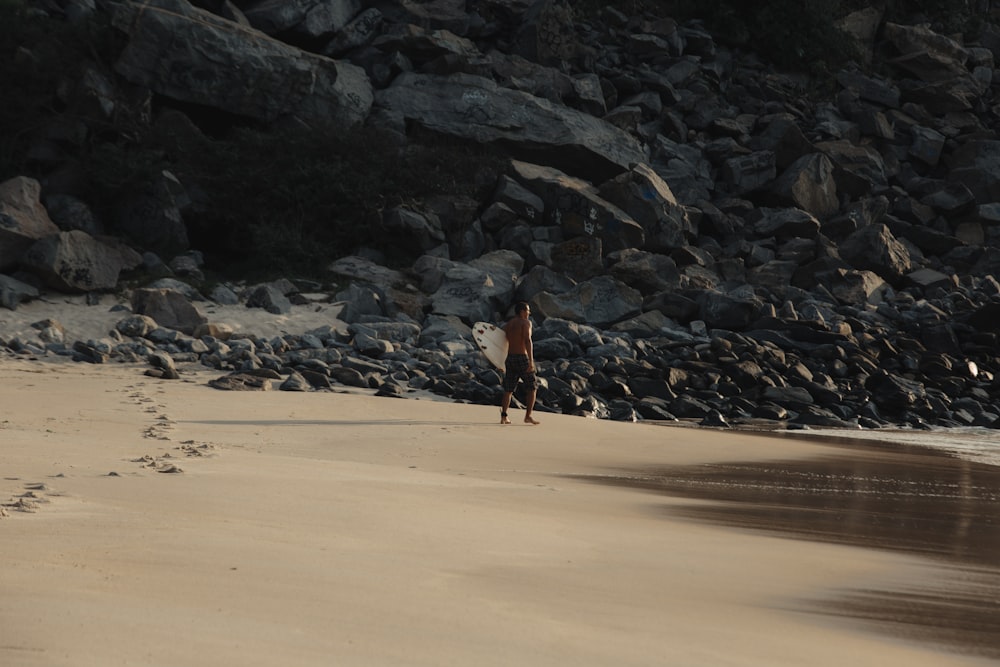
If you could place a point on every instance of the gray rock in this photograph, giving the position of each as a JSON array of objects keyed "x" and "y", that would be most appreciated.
[
  {"x": 136, "y": 326},
  {"x": 295, "y": 382},
  {"x": 438, "y": 328},
  {"x": 546, "y": 34},
  {"x": 224, "y": 65},
  {"x": 23, "y": 219},
  {"x": 782, "y": 137},
  {"x": 645, "y": 271},
  {"x": 70, "y": 213},
  {"x": 360, "y": 300},
  {"x": 808, "y": 184},
  {"x": 270, "y": 299},
  {"x": 857, "y": 288},
  {"x": 859, "y": 169},
  {"x": 13, "y": 292},
  {"x": 733, "y": 311},
  {"x": 577, "y": 207},
  {"x": 422, "y": 46},
  {"x": 478, "y": 109},
  {"x": 359, "y": 268},
  {"x": 685, "y": 169},
  {"x": 518, "y": 199},
  {"x": 748, "y": 173},
  {"x": 578, "y": 259},
  {"x": 413, "y": 229},
  {"x": 224, "y": 295},
  {"x": 783, "y": 223},
  {"x": 469, "y": 293},
  {"x": 168, "y": 308},
  {"x": 503, "y": 267},
  {"x": 76, "y": 262},
  {"x": 875, "y": 249},
  {"x": 601, "y": 301},
  {"x": 643, "y": 195},
  {"x": 242, "y": 381},
  {"x": 326, "y": 18},
  {"x": 541, "y": 279},
  {"x": 359, "y": 32}
]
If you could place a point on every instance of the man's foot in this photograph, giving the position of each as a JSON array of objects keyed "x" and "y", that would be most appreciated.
[
  {"x": 528, "y": 419},
  {"x": 503, "y": 418}
]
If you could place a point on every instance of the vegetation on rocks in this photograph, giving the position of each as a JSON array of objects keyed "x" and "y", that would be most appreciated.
[
  {"x": 282, "y": 199},
  {"x": 797, "y": 34}
]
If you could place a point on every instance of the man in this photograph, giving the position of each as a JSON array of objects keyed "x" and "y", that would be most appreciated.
[{"x": 520, "y": 362}]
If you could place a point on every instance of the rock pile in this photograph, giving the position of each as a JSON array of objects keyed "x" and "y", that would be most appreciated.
[{"x": 698, "y": 239}]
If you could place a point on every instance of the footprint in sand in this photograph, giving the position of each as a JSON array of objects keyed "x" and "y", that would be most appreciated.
[
  {"x": 35, "y": 494},
  {"x": 191, "y": 449},
  {"x": 160, "y": 429}
]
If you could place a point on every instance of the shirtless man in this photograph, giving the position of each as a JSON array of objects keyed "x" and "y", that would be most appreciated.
[{"x": 520, "y": 362}]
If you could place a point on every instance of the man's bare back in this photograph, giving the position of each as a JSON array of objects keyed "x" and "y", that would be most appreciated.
[
  {"x": 520, "y": 362},
  {"x": 518, "y": 332}
]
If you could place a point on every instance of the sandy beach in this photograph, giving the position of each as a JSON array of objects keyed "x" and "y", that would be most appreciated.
[{"x": 153, "y": 522}]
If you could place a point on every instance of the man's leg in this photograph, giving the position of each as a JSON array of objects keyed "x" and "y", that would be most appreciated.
[
  {"x": 531, "y": 405},
  {"x": 504, "y": 405}
]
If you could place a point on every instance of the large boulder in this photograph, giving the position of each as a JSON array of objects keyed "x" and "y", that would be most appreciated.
[
  {"x": 857, "y": 288},
  {"x": 14, "y": 292},
  {"x": 874, "y": 248},
  {"x": 547, "y": 34},
  {"x": 475, "y": 108},
  {"x": 470, "y": 293},
  {"x": 354, "y": 267},
  {"x": 808, "y": 184},
  {"x": 648, "y": 199},
  {"x": 422, "y": 46},
  {"x": 309, "y": 18},
  {"x": 645, "y": 271},
  {"x": 685, "y": 168},
  {"x": 23, "y": 219},
  {"x": 729, "y": 310},
  {"x": 600, "y": 302},
  {"x": 503, "y": 267},
  {"x": 76, "y": 262},
  {"x": 976, "y": 164},
  {"x": 227, "y": 66},
  {"x": 360, "y": 31},
  {"x": 578, "y": 208},
  {"x": 858, "y": 169},
  {"x": 926, "y": 54},
  {"x": 169, "y": 308}
]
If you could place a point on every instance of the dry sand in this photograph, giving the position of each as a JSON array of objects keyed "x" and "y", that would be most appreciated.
[{"x": 342, "y": 529}]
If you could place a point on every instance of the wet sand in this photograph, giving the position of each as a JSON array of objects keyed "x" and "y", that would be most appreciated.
[
  {"x": 156, "y": 522},
  {"x": 873, "y": 495}
]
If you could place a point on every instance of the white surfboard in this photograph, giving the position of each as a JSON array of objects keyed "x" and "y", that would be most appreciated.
[{"x": 492, "y": 341}]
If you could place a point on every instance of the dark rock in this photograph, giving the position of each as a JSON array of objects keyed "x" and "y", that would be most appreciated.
[
  {"x": 235, "y": 69},
  {"x": 168, "y": 308},
  {"x": 478, "y": 109}
]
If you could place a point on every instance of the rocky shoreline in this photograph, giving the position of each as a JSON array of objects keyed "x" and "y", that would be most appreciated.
[
  {"x": 779, "y": 373},
  {"x": 698, "y": 238}
]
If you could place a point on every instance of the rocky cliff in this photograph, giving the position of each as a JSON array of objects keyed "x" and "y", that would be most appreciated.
[{"x": 700, "y": 236}]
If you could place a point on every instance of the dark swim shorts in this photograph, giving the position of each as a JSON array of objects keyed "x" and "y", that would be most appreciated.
[{"x": 517, "y": 369}]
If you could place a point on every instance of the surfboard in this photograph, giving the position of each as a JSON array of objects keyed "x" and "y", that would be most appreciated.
[{"x": 492, "y": 342}]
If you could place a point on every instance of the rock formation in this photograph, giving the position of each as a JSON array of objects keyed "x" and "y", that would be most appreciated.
[{"x": 698, "y": 237}]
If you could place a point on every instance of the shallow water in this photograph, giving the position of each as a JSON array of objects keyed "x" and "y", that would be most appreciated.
[
  {"x": 933, "y": 495},
  {"x": 980, "y": 445}
]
